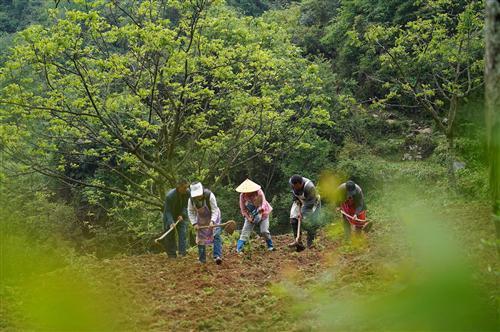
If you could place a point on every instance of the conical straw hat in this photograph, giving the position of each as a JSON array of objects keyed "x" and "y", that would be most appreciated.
[{"x": 248, "y": 186}]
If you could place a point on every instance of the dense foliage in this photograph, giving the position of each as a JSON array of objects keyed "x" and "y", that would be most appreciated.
[
  {"x": 105, "y": 105},
  {"x": 116, "y": 101}
]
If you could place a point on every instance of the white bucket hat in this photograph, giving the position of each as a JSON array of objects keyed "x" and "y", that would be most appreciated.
[
  {"x": 196, "y": 189},
  {"x": 248, "y": 186}
]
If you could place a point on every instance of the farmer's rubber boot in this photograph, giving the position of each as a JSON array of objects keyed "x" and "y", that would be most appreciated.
[
  {"x": 270, "y": 246},
  {"x": 202, "y": 254},
  {"x": 239, "y": 245},
  {"x": 300, "y": 246},
  {"x": 310, "y": 240}
]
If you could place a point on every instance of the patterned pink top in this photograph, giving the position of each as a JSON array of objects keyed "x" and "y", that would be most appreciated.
[{"x": 259, "y": 200}]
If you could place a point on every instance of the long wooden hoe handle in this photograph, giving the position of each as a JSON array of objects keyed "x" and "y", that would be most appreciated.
[
  {"x": 167, "y": 232},
  {"x": 352, "y": 217},
  {"x": 298, "y": 229},
  {"x": 219, "y": 225}
]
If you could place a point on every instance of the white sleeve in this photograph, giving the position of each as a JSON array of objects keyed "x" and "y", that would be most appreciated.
[
  {"x": 215, "y": 209},
  {"x": 340, "y": 194},
  {"x": 191, "y": 212},
  {"x": 358, "y": 189}
]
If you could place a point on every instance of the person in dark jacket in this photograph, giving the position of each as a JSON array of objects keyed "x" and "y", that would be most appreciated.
[
  {"x": 353, "y": 207},
  {"x": 306, "y": 206},
  {"x": 175, "y": 208}
]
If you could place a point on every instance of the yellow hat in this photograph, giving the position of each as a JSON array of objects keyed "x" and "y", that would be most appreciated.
[{"x": 248, "y": 186}]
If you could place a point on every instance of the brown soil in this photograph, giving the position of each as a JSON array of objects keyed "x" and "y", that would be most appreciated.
[{"x": 182, "y": 294}]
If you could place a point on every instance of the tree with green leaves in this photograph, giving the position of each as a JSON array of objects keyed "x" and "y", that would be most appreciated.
[
  {"x": 334, "y": 30},
  {"x": 434, "y": 62},
  {"x": 126, "y": 97},
  {"x": 257, "y": 7}
]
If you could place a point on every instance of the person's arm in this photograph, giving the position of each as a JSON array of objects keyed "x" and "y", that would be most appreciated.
[
  {"x": 340, "y": 195},
  {"x": 168, "y": 219},
  {"x": 259, "y": 200},
  {"x": 310, "y": 195},
  {"x": 184, "y": 212},
  {"x": 215, "y": 209},
  {"x": 243, "y": 208},
  {"x": 191, "y": 213},
  {"x": 359, "y": 200},
  {"x": 294, "y": 197}
]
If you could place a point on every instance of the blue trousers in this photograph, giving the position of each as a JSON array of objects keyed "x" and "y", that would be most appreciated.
[
  {"x": 169, "y": 241},
  {"x": 217, "y": 252}
]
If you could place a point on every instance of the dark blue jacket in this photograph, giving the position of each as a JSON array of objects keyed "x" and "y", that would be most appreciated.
[{"x": 175, "y": 206}]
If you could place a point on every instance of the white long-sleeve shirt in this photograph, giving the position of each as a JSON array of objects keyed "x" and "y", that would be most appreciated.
[{"x": 192, "y": 212}]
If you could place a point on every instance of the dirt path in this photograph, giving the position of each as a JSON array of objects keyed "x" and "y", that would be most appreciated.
[{"x": 181, "y": 294}]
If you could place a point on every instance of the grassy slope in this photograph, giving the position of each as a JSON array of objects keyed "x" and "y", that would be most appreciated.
[{"x": 265, "y": 291}]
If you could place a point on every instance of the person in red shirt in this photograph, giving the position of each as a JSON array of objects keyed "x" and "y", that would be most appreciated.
[{"x": 353, "y": 207}]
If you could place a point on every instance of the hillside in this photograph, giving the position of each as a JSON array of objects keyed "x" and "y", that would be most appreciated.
[
  {"x": 118, "y": 118},
  {"x": 273, "y": 291}
]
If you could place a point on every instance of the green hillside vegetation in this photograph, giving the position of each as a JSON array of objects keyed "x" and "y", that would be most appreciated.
[{"x": 106, "y": 105}]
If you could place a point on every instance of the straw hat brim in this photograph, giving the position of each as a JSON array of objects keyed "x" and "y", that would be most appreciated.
[{"x": 248, "y": 186}]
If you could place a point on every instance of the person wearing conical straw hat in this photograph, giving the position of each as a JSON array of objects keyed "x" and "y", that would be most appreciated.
[{"x": 255, "y": 209}]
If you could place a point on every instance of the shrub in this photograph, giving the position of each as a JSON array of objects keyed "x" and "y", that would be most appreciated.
[
  {"x": 391, "y": 148},
  {"x": 472, "y": 183}
]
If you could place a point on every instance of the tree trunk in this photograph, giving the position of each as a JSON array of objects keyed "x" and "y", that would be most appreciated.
[
  {"x": 451, "y": 161},
  {"x": 492, "y": 84}
]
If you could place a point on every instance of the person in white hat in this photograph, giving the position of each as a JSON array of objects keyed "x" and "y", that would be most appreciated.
[
  {"x": 203, "y": 211},
  {"x": 255, "y": 209}
]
